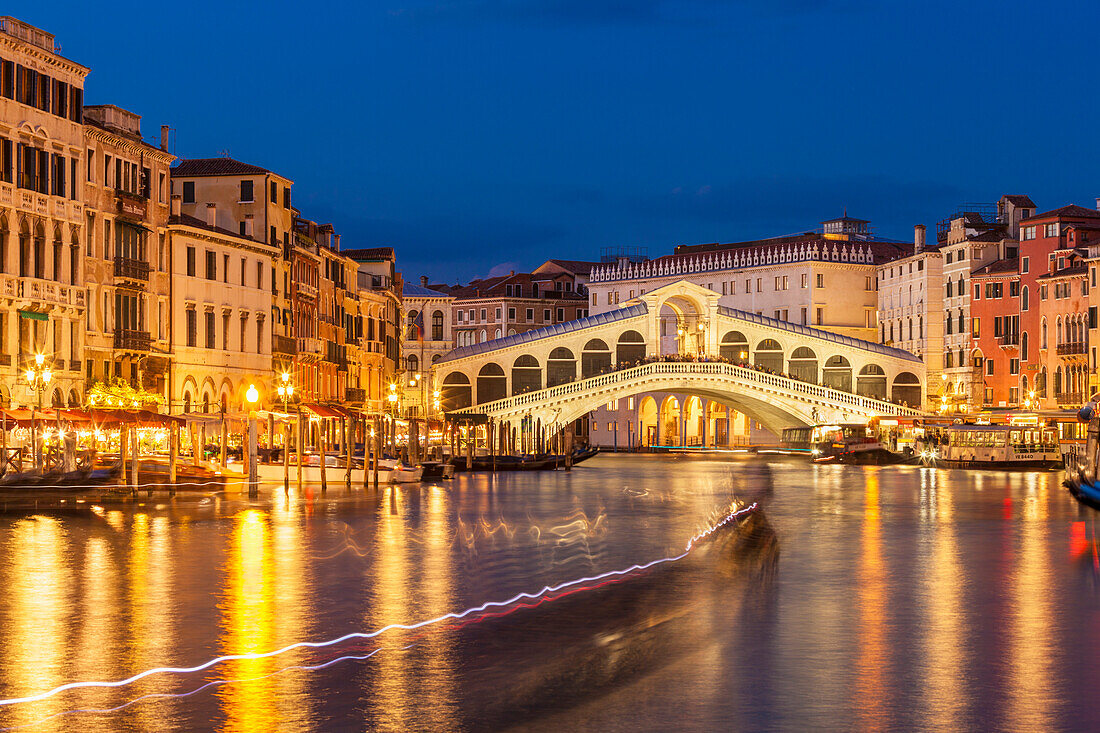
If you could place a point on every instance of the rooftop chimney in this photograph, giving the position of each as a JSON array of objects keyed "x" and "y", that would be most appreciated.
[
  {"x": 177, "y": 204},
  {"x": 164, "y": 138},
  {"x": 212, "y": 214},
  {"x": 512, "y": 273},
  {"x": 424, "y": 281},
  {"x": 336, "y": 242},
  {"x": 918, "y": 239},
  {"x": 1098, "y": 203}
]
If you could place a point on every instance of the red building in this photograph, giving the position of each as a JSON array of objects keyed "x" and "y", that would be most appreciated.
[
  {"x": 1044, "y": 248},
  {"x": 995, "y": 331}
]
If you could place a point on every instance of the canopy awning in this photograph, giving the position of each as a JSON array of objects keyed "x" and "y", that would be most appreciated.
[
  {"x": 116, "y": 416},
  {"x": 326, "y": 410}
]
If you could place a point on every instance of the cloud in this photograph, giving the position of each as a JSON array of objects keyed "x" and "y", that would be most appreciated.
[{"x": 503, "y": 269}]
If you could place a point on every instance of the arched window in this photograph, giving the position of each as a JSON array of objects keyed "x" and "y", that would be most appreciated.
[
  {"x": 1023, "y": 347},
  {"x": 413, "y": 330},
  {"x": 1024, "y": 299},
  {"x": 413, "y": 363},
  {"x": 1043, "y": 334}
]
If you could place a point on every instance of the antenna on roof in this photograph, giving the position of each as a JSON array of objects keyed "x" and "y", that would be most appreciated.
[{"x": 224, "y": 153}]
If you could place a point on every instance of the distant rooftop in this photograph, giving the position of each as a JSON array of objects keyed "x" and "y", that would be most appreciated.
[
  {"x": 195, "y": 167},
  {"x": 408, "y": 290},
  {"x": 369, "y": 254}
]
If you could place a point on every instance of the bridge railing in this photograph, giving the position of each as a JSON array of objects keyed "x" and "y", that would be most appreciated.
[{"x": 746, "y": 374}]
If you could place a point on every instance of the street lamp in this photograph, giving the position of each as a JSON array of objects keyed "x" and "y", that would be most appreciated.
[
  {"x": 252, "y": 395},
  {"x": 286, "y": 389},
  {"x": 39, "y": 376}
]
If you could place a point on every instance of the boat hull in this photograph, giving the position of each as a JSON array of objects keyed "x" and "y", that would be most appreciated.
[{"x": 1038, "y": 464}]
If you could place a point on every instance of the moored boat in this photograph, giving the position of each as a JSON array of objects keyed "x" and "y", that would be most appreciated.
[{"x": 990, "y": 447}]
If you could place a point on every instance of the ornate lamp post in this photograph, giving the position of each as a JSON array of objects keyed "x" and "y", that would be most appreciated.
[
  {"x": 392, "y": 399},
  {"x": 286, "y": 389},
  {"x": 38, "y": 377}
]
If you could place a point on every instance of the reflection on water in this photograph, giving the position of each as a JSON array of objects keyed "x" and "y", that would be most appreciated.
[{"x": 904, "y": 598}]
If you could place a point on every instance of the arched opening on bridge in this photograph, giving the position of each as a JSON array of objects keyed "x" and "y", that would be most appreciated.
[
  {"x": 647, "y": 421},
  {"x": 769, "y": 355},
  {"x": 526, "y": 374},
  {"x": 561, "y": 367},
  {"x": 680, "y": 318},
  {"x": 630, "y": 348},
  {"x": 595, "y": 358},
  {"x": 717, "y": 425},
  {"x": 456, "y": 391},
  {"x": 694, "y": 421},
  {"x": 803, "y": 365},
  {"x": 837, "y": 374},
  {"x": 670, "y": 421},
  {"x": 734, "y": 347},
  {"x": 491, "y": 383},
  {"x": 871, "y": 382},
  {"x": 906, "y": 389}
]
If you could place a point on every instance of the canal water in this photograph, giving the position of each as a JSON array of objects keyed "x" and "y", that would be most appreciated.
[{"x": 859, "y": 598}]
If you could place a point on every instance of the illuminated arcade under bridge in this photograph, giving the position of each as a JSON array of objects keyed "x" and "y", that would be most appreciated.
[{"x": 779, "y": 373}]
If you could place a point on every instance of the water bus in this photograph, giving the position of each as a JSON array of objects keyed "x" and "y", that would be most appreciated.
[{"x": 1004, "y": 446}]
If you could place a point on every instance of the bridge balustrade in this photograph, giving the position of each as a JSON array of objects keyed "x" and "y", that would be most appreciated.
[{"x": 715, "y": 368}]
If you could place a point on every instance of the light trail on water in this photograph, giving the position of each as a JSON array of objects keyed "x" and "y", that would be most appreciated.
[{"x": 451, "y": 616}]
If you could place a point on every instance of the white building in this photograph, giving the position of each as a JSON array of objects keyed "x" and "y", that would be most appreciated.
[
  {"x": 910, "y": 304},
  {"x": 221, "y": 305}
]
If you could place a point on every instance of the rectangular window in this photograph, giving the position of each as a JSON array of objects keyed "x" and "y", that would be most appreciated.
[
  {"x": 247, "y": 195},
  {"x": 211, "y": 265},
  {"x": 530, "y": 315},
  {"x": 498, "y": 315},
  {"x": 546, "y": 316},
  {"x": 1024, "y": 264},
  {"x": 484, "y": 317},
  {"x": 805, "y": 279},
  {"x": 989, "y": 367},
  {"x": 777, "y": 283},
  {"x": 286, "y": 197},
  {"x": 820, "y": 280},
  {"x": 976, "y": 327},
  {"x": 225, "y": 268},
  {"x": 190, "y": 261},
  {"x": 511, "y": 314},
  {"x": 259, "y": 275},
  {"x": 867, "y": 284},
  {"x": 192, "y": 327},
  {"x": 211, "y": 331},
  {"x": 820, "y": 316},
  {"x": 804, "y": 317},
  {"x": 759, "y": 284},
  {"x": 188, "y": 192},
  {"x": 561, "y": 315},
  {"x": 274, "y": 192}
]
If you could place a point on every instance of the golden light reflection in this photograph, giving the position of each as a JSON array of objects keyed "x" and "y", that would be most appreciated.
[
  {"x": 871, "y": 605},
  {"x": 944, "y": 623},
  {"x": 36, "y": 595},
  {"x": 392, "y": 707},
  {"x": 98, "y": 637},
  {"x": 1031, "y": 694},
  {"x": 248, "y": 620},
  {"x": 294, "y": 610}
]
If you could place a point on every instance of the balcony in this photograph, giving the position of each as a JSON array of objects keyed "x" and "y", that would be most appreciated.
[
  {"x": 305, "y": 290},
  {"x": 309, "y": 348},
  {"x": 1008, "y": 340},
  {"x": 132, "y": 340},
  {"x": 131, "y": 269},
  {"x": 46, "y": 292},
  {"x": 1070, "y": 399},
  {"x": 284, "y": 345},
  {"x": 1071, "y": 349},
  {"x": 354, "y": 394}
]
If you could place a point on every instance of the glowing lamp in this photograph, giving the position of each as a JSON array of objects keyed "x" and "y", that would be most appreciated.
[
  {"x": 39, "y": 359},
  {"x": 47, "y": 375},
  {"x": 252, "y": 395},
  {"x": 30, "y": 375}
]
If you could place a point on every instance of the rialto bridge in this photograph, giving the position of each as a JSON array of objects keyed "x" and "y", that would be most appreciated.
[{"x": 678, "y": 339}]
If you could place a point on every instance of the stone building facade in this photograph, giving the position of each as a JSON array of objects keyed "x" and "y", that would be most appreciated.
[
  {"x": 42, "y": 224},
  {"x": 126, "y": 261}
]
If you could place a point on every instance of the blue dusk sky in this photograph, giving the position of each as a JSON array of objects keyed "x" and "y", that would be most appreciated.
[{"x": 478, "y": 136}]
